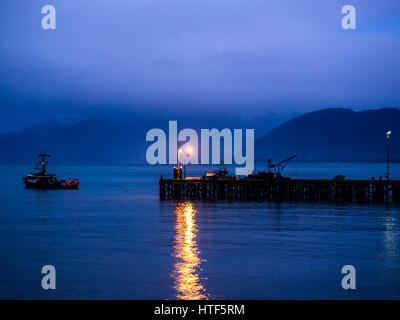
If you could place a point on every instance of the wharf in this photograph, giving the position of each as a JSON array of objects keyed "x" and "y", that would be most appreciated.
[{"x": 246, "y": 189}]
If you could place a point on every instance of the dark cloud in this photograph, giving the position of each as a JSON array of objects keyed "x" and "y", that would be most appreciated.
[{"x": 214, "y": 55}]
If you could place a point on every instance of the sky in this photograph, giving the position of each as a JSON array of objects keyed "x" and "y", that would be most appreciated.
[{"x": 247, "y": 58}]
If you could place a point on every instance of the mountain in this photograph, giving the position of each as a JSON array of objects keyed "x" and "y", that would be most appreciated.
[
  {"x": 106, "y": 139},
  {"x": 94, "y": 141},
  {"x": 335, "y": 134},
  {"x": 330, "y": 134}
]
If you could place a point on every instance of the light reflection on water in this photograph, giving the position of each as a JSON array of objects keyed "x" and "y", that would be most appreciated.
[
  {"x": 187, "y": 281},
  {"x": 390, "y": 235}
]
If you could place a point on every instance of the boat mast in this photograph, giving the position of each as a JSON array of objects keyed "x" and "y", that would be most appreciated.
[{"x": 43, "y": 163}]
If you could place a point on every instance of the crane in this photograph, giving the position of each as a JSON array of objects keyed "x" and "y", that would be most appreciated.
[{"x": 279, "y": 166}]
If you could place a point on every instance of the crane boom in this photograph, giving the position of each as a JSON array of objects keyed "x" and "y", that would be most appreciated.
[{"x": 281, "y": 165}]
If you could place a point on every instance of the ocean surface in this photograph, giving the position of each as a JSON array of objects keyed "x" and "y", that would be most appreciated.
[{"x": 115, "y": 239}]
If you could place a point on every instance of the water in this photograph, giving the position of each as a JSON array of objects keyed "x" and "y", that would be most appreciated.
[{"x": 114, "y": 239}]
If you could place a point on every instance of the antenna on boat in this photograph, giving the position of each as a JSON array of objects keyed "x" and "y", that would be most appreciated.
[{"x": 43, "y": 163}]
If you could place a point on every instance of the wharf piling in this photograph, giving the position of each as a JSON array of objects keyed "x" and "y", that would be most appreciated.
[{"x": 287, "y": 189}]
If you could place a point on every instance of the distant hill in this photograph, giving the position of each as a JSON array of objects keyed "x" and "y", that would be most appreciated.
[
  {"x": 106, "y": 139},
  {"x": 93, "y": 141},
  {"x": 334, "y": 134},
  {"x": 330, "y": 134}
]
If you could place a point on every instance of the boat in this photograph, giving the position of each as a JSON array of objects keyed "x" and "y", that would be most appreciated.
[{"x": 40, "y": 179}]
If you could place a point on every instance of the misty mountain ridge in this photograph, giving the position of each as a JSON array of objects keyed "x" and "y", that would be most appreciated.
[
  {"x": 107, "y": 138},
  {"x": 334, "y": 134}
]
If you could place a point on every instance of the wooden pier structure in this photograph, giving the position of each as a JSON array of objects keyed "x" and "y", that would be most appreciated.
[{"x": 281, "y": 190}]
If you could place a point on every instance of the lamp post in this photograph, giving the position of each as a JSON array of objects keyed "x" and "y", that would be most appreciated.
[
  {"x": 188, "y": 152},
  {"x": 388, "y": 133},
  {"x": 179, "y": 152}
]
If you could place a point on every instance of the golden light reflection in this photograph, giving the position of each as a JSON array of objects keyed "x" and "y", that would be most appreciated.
[{"x": 186, "y": 270}]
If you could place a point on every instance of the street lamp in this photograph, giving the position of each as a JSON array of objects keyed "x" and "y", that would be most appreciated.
[
  {"x": 188, "y": 153},
  {"x": 178, "y": 169},
  {"x": 179, "y": 152},
  {"x": 388, "y": 133}
]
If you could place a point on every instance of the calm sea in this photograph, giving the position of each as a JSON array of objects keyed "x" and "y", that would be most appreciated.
[{"x": 115, "y": 239}]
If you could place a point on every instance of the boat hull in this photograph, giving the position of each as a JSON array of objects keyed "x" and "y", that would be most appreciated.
[{"x": 48, "y": 185}]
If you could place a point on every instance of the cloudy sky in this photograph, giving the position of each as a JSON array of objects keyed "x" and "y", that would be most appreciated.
[{"x": 246, "y": 57}]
